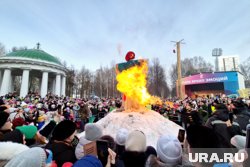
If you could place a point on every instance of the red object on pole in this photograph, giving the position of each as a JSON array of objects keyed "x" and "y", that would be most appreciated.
[{"x": 130, "y": 56}]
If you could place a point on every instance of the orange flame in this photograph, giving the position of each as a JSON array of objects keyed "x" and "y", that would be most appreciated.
[{"x": 132, "y": 83}]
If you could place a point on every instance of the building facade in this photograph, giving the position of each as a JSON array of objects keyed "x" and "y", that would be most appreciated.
[
  {"x": 215, "y": 83},
  {"x": 30, "y": 63}
]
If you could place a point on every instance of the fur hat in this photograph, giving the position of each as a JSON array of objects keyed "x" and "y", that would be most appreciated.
[
  {"x": 3, "y": 118},
  {"x": 88, "y": 161},
  {"x": 63, "y": 130},
  {"x": 136, "y": 141},
  {"x": 14, "y": 136},
  {"x": 35, "y": 156},
  {"x": 238, "y": 141},
  {"x": 121, "y": 136},
  {"x": 169, "y": 150},
  {"x": 93, "y": 131}
]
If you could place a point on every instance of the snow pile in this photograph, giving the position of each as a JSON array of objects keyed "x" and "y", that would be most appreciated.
[{"x": 151, "y": 123}]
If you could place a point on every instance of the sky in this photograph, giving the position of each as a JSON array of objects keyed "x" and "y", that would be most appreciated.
[{"x": 94, "y": 33}]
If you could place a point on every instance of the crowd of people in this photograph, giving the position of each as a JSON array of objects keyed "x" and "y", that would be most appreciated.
[{"x": 39, "y": 132}]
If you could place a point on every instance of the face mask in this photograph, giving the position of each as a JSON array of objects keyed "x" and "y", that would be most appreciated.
[
  {"x": 75, "y": 141},
  {"x": 26, "y": 110}
]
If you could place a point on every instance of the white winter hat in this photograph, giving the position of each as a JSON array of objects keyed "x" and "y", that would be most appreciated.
[
  {"x": 136, "y": 141},
  {"x": 121, "y": 136},
  {"x": 238, "y": 141},
  {"x": 169, "y": 150}
]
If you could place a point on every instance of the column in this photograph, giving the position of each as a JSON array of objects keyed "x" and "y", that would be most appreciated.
[
  {"x": 1, "y": 77},
  {"x": 54, "y": 85},
  {"x": 11, "y": 84},
  {"x": 63, "y": 85},
  {"x": 58, "y": 84},
  {"x": 25, "y": 83},
  {"x": 5, "y": 82},
  {"x": 44, "y": 86}
]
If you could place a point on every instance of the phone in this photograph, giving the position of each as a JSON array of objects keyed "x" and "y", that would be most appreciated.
[
  {"x": 102, "y": 147},
  {"x": 248, "y": 136},
  {"x": 181, "y": 135}
]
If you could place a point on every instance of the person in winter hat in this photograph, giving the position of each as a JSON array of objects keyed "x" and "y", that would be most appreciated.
[
  {"x": 169, "y": 150},
  {"x": 5, "y": 123},
  {"x": 120, "y": 139},
  {"x": 135, "y": 147},
  {"x": 33, "y": 157},
  {"x": 169, "y": 154},
  {"x": 93, "y": 132},
  {"x": 136, "y": 141},
  {"x": 62, "y": 142},
  {"x": 121, "y": 136},
  {"x": 9, "y": 150}
]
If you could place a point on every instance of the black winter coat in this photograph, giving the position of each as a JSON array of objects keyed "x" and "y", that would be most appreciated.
[{"x": 61, "y": 152}]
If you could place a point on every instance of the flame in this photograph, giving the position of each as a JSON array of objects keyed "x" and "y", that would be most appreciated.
[{"x": 132, "y": 83}]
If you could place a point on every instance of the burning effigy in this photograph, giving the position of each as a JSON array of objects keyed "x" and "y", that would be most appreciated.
[{"x": 131, "y": 82}]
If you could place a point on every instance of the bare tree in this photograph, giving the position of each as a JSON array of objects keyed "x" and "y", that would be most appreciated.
[
  {"x": 70, "y": 80},
  {"x": 157, "y": 84},
  {"x": 245, "y": 69}
]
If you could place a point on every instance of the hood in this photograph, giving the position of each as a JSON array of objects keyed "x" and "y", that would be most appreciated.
[{"x": 9, "y": 149}]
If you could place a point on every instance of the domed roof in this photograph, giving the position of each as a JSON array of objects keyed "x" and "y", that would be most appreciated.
[{"x": 34, "y": 54}]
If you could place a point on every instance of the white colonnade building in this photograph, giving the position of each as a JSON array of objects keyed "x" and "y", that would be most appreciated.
[{"x": 30, "y": 63}]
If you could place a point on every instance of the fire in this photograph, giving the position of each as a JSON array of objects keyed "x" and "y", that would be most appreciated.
[{"x": 132, "y": 83}]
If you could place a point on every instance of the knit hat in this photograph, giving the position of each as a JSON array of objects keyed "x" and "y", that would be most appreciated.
[
  {"x": 169, "y": 150},
  {"x": 33, "y": 157},
  {"x": 3, "y": 118},
  {"x": 238, "y": 141},
  {"x": 93, "y": 131},
  {"x": 18, "y": 122},
  {"x": 63, "y": 130},
  {"x": 88, "y": 161},
  {"x": 121, "y": 136},
  {"x": 136, "y": 141},
  {"x": 28, "y": 130},
  {"x": 14, "y": 136},
  {"x": 47, "y": 130}
]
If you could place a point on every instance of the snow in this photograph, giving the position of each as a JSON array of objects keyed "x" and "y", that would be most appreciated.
[{"x": 151, "y": 123}]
